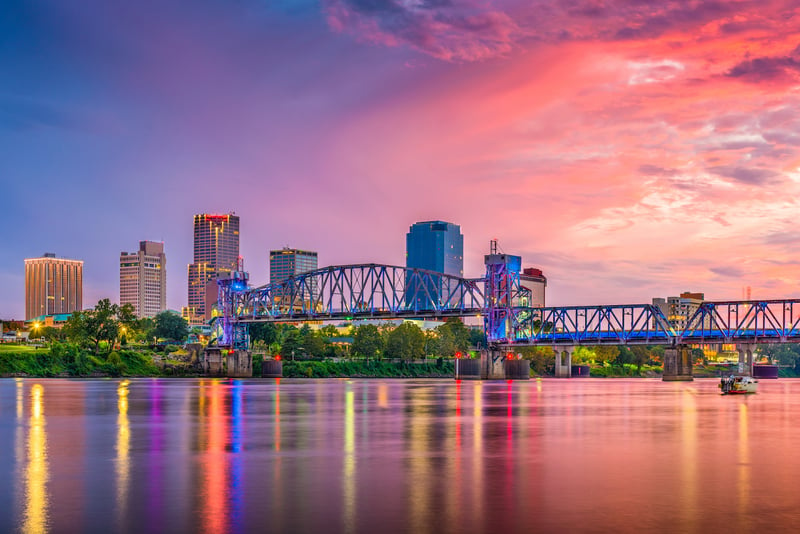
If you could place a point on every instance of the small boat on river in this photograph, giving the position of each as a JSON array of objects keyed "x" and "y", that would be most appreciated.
[{"x": 738, "y": 385}]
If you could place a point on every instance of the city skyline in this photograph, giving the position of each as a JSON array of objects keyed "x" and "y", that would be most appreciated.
[{"x": 628, "y": 150}]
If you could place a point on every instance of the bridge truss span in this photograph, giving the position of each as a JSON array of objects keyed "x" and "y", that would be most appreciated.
[
  {"x": 358, "y": 291},
  {"x": 729, "y": 322},
  {"x": 593, "y": 325},
  {"x": 761, "y": 321}
]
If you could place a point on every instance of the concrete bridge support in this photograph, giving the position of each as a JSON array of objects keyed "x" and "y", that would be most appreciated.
[
  {"x": 493, "y": 364},
  {"x": 678, "y": 364},
  {"x": 746, "y": 351},
  {"x": 563, "y": 361},
  {"x": 239, "y": 364},
  {"x": 221, "y": 361}
]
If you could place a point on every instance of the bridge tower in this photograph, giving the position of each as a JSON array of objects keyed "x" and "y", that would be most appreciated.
[
  {"x": 234, "y": 340},
  {"x": 502, "y": 294}
]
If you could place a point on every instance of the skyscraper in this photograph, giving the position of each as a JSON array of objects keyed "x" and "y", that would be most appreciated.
[
  {"x": 434, "y": 246},
  {"x": 143, "y": 279},
  {"x": 216, "y": 253},
  {"x": 289, "y": 262},
  {"x": 52, "y": 286}
]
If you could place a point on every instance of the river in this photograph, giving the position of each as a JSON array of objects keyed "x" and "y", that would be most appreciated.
[{"x": 421, "y": 456}]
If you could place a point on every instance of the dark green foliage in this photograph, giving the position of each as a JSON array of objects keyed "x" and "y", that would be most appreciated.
[
  {"x": 170, "y": 326},
  {"x": 406, "y": 342},
  {"x": 368, "y": 342},
  {"x": 72, "y": 360},
  {"x": 265, "y": 332}
]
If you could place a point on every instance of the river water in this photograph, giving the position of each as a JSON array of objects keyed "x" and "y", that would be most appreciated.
[{"x": 421, "y": 456}]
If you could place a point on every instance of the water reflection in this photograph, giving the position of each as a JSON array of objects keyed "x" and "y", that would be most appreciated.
[
  {"x": 123, "y": 465},
  {"x": 35, "y": 518},
  {"x": 419, "y": 437},
  {"x": 689, "y": 456},
  {"x": 344, "y": 456},
  {"x": 215, "y": 423},
  {"x": 349, "y": 474},
  {"x": 237, "y": 462},
  {"x": 743, "y": 467}
]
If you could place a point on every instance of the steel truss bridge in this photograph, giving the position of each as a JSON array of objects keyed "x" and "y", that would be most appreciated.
[{"x": 376, "y": 291}]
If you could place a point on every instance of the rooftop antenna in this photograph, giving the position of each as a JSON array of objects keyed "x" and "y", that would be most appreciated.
[{"x": 493, "y": 246}]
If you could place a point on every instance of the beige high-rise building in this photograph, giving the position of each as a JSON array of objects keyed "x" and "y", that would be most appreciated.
[
  {"x": 216, "y": 254},
  {"x": 143, "y": 279},
  {"x": 52, "y": 286}
]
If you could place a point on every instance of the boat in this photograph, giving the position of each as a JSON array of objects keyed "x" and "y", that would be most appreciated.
[{"x": 738, "y": 385}]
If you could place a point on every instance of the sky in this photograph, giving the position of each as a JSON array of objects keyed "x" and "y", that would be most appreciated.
[{"x": 630, "y": 149}]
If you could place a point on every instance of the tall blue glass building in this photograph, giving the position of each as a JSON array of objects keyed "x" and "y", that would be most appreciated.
[{"x": 435, "y": 246}]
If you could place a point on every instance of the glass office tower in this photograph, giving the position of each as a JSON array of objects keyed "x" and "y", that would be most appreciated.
[{"x": 434, "y": 246}]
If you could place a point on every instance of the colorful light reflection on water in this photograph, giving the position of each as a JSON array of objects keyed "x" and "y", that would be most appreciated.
[{"x": 396, "y": 456}]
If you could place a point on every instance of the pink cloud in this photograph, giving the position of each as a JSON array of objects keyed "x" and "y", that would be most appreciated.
[{"x": 452, "y": 31}]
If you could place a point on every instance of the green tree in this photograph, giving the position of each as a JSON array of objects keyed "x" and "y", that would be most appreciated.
[
  {"x": 91, "y": 327},
  {"x": 368, "y": 342},
  {"x": 459, "y": 333},
  {"x": 625, "y": 356},
  {"x": 313, "y": 344},
  {"x": 50, "y": 333},
  {"x": 477, "y": 337},
  {"x": 543, "y": 359},
  {"x": 582, "y": 355},
  {"x": 640, "y": 355},
  {"x": 605, "y": 353},
  {"x": 170, "y": 326},
  {"x": 265, "y": 332},
  {"x": 406, "y": 342},
  {"x": 291, "y": 345}
]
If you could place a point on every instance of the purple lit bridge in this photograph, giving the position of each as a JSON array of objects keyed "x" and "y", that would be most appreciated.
[{"x": 373, "y": 291}]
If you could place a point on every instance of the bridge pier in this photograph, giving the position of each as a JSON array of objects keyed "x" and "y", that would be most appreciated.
[
  {"x": 239, "y": 364},
  {"x": 677, "y": 364},
  {"x": 746, "y": 351},
  {"x": 493, "y": 364},
  {"x": 563, "y": 361},
  {"x": 220, "y": 361}
]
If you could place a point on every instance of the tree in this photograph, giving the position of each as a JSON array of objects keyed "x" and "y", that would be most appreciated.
[
  {"x": 406, "y": 342},
  {"x": 477, "y": 337},
  {"x": 543, "y": 359},
  {"x": 368, "y": 342},
  {"x": 313, "y": 345},
  {"x": 291, "y": 343},
  {"x": 605, "y": 353},
  {"x": 640, "y": 355},
  {"x": 170, "y": 326},
  {"x": 460, "y": 334},
  {"x": 625, "y": 356},
  {"x": 264, "y": 332},
  {"x": 581, "y": 355},
  {"x": 50, "y": 333},
  {"x": 91, "y": 327}
]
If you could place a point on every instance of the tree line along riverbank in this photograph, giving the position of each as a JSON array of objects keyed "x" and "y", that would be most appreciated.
[{"x": 65, "y": 360}]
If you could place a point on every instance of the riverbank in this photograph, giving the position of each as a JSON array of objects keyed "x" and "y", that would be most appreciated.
[{"x": 69, "y": 361}]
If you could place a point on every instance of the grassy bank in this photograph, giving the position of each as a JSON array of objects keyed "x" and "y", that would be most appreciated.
[{"x": 66, "y": 360}]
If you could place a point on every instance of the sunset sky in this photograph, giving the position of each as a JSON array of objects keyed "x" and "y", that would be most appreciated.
[{"x": 629, "y": 148}]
